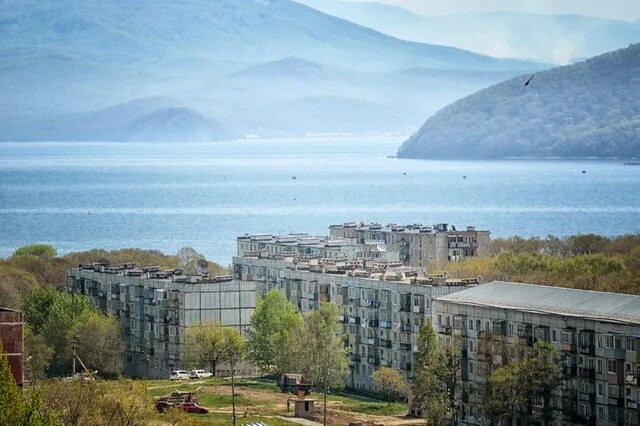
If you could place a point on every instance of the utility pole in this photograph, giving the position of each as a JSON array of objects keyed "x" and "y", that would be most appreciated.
[
  {"x": 146, "y": 353},
  {"x": 75, "y": 347},
  {"x": 326, "y": 389},
  {"x": 233, "y": 386}
]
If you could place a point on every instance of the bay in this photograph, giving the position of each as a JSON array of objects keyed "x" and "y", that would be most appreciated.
[{"x": 77, "y": 196}]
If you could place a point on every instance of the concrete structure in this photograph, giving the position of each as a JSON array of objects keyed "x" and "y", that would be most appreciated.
[
  {"x": 417, "y": 245},
  {"x": 384, "y": 304},
  {"x": 12, "y": 339},
  {"x": 156, "y": 307},
  {"x": 597, "y": 333},
  {"x": 311, "y": 246}
]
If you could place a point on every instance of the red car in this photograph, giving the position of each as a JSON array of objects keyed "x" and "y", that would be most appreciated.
[{"x": 192, "y": 407}]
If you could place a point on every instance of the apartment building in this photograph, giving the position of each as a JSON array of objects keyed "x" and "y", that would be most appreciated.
[
  {"x": 598, "y": 335},
  {"x": 156, "y": 307},
  {"x": 383, "y": 304},
  {"x": 417, "y": 245},
  {"x": 311, "y": 246}
]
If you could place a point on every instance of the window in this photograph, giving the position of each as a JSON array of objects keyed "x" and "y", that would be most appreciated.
[
  {"x": 471, "y": 346},
  {"x": 567, "y": 337},
  {"x": 631, "y": 344},
  {"x": 478, "y": 325},
  {"x": 612, "y": 366},
  {"x": 471, "y": 367},
  {"x": 613, "y": 391},
  {"x": 599, "y": 366},
  {"x": 554, "y": 335},
  {"x": 600, "y": 389},
  {"x": 470, "y": 324},
  {"x": 439, "y": 319}
]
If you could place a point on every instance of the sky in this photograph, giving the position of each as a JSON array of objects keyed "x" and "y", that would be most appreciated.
[{"x": 615, "y": 9}]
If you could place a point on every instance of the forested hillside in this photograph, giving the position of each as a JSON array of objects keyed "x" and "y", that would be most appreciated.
[
  {"x": 589, "y": 109},
  {"x": 587, "y": 262}
]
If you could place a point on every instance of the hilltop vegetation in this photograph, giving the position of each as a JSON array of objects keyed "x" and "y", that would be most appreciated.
[
  {"x": 587, "y": 262},
  {"x": 589, "y": 109}
]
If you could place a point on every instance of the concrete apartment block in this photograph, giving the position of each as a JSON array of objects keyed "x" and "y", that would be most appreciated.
[{"x": 598, "y": 334}]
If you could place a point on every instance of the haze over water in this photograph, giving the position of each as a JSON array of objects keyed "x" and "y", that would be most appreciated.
[{"x": 164, "y": 196}]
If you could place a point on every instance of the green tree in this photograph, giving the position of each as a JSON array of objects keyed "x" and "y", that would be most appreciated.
[
  {"x": 99, "y": 342},
  {"x": 211, "y": 344},
  {"x": 52, "y": 314},
  {"x": 273, "y": 325},
  {"x": 11, "y": 407},
  {"x": 514, "y": 388},
  {"x": 389, "y": 382},
  {"x": 37, "y": 250},
  {"x": 321, "y": 351},
  {"x": 37, "y": 356},
  {"x": 436, "y": 380}
]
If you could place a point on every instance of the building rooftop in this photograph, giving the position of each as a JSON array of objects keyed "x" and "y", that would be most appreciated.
[
  {"x": 410, "y": 228},
  {"x": 155, "y": 273},
  {"x": 611, "y": 307},
  {"x": 297, "y": 239}
]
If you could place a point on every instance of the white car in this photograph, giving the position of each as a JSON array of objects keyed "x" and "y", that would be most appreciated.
[
  {"x": 179, "y": 375},
  {"x": 199, "y": 374}
]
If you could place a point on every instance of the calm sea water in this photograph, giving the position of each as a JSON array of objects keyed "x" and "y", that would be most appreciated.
[{"x": 112, "y": 195}]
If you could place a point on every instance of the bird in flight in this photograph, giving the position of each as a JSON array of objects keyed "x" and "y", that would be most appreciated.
[{"x": 526, "y": 83}]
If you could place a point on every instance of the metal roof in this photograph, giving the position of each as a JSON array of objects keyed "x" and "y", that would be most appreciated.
[{"x": 612, "y": 307}]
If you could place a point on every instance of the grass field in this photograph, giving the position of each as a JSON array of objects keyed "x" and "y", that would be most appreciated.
[{"x": 260, "y": 400}]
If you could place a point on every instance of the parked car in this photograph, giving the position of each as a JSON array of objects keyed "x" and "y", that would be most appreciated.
[
  {"x": 192, "y": 407},
  {"x": 199, "y": 374},
  {"x": 179, "y": 375}
]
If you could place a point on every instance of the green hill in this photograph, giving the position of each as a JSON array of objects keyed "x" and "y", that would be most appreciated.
[{"x": 588, "y": 109}]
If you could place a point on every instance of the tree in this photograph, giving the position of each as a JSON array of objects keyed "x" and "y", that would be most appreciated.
[
  {"x": 189, "y": 259},
  {"x": 273, "y": 325},
  {"x": 211, "y": 344},
  {"x": 436, "y": 382},
  {"x": 389, "y": 382},
  {"x": 37, "y": 355},
  {"x": 321, "y": 351},
  {"x": 37, "y": 250},
  {"x": 15, "y": 284},
  {"x": 52, "y": 314},
  {"x": 514, "y": 388},
  {"x": 99, "y": 342},
  {"x": 11, "y": 409}
]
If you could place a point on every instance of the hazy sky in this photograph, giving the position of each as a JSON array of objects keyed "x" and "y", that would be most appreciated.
[{"x": 619, "y": 9}]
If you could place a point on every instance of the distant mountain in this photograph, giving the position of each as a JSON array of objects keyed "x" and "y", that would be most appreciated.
[
  {"x": 559, "y": 39},
  {"x": 222, "y": 64},
  {"x": 589, "y": 109}
]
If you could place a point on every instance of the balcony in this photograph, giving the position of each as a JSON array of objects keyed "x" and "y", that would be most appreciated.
[
  {"x": 354, "y": 320},
  {"x": 385, "y": 343},
  {"x": 406, "y": 328},
  {"x": 588, "y": 373},
  {"x": 385, "y": 324},
  {"x": 405, "y": 346},
  {"x": 371, "y": 341},
  {"x": 630, "y": 379},
  {"x": 373, "y": 360},
  {"x": 373, "y": 323},
  {"x": 444, "y": 329}
]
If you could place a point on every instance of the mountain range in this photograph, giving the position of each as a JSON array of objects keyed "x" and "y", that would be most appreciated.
[
  {"x": 558, "y": 39},
  {"x": 587, "y": 109},
  {"x": 200, "y": 70}
]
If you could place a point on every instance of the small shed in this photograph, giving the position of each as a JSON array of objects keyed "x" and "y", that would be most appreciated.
[{"x": 304, "y": 407}]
